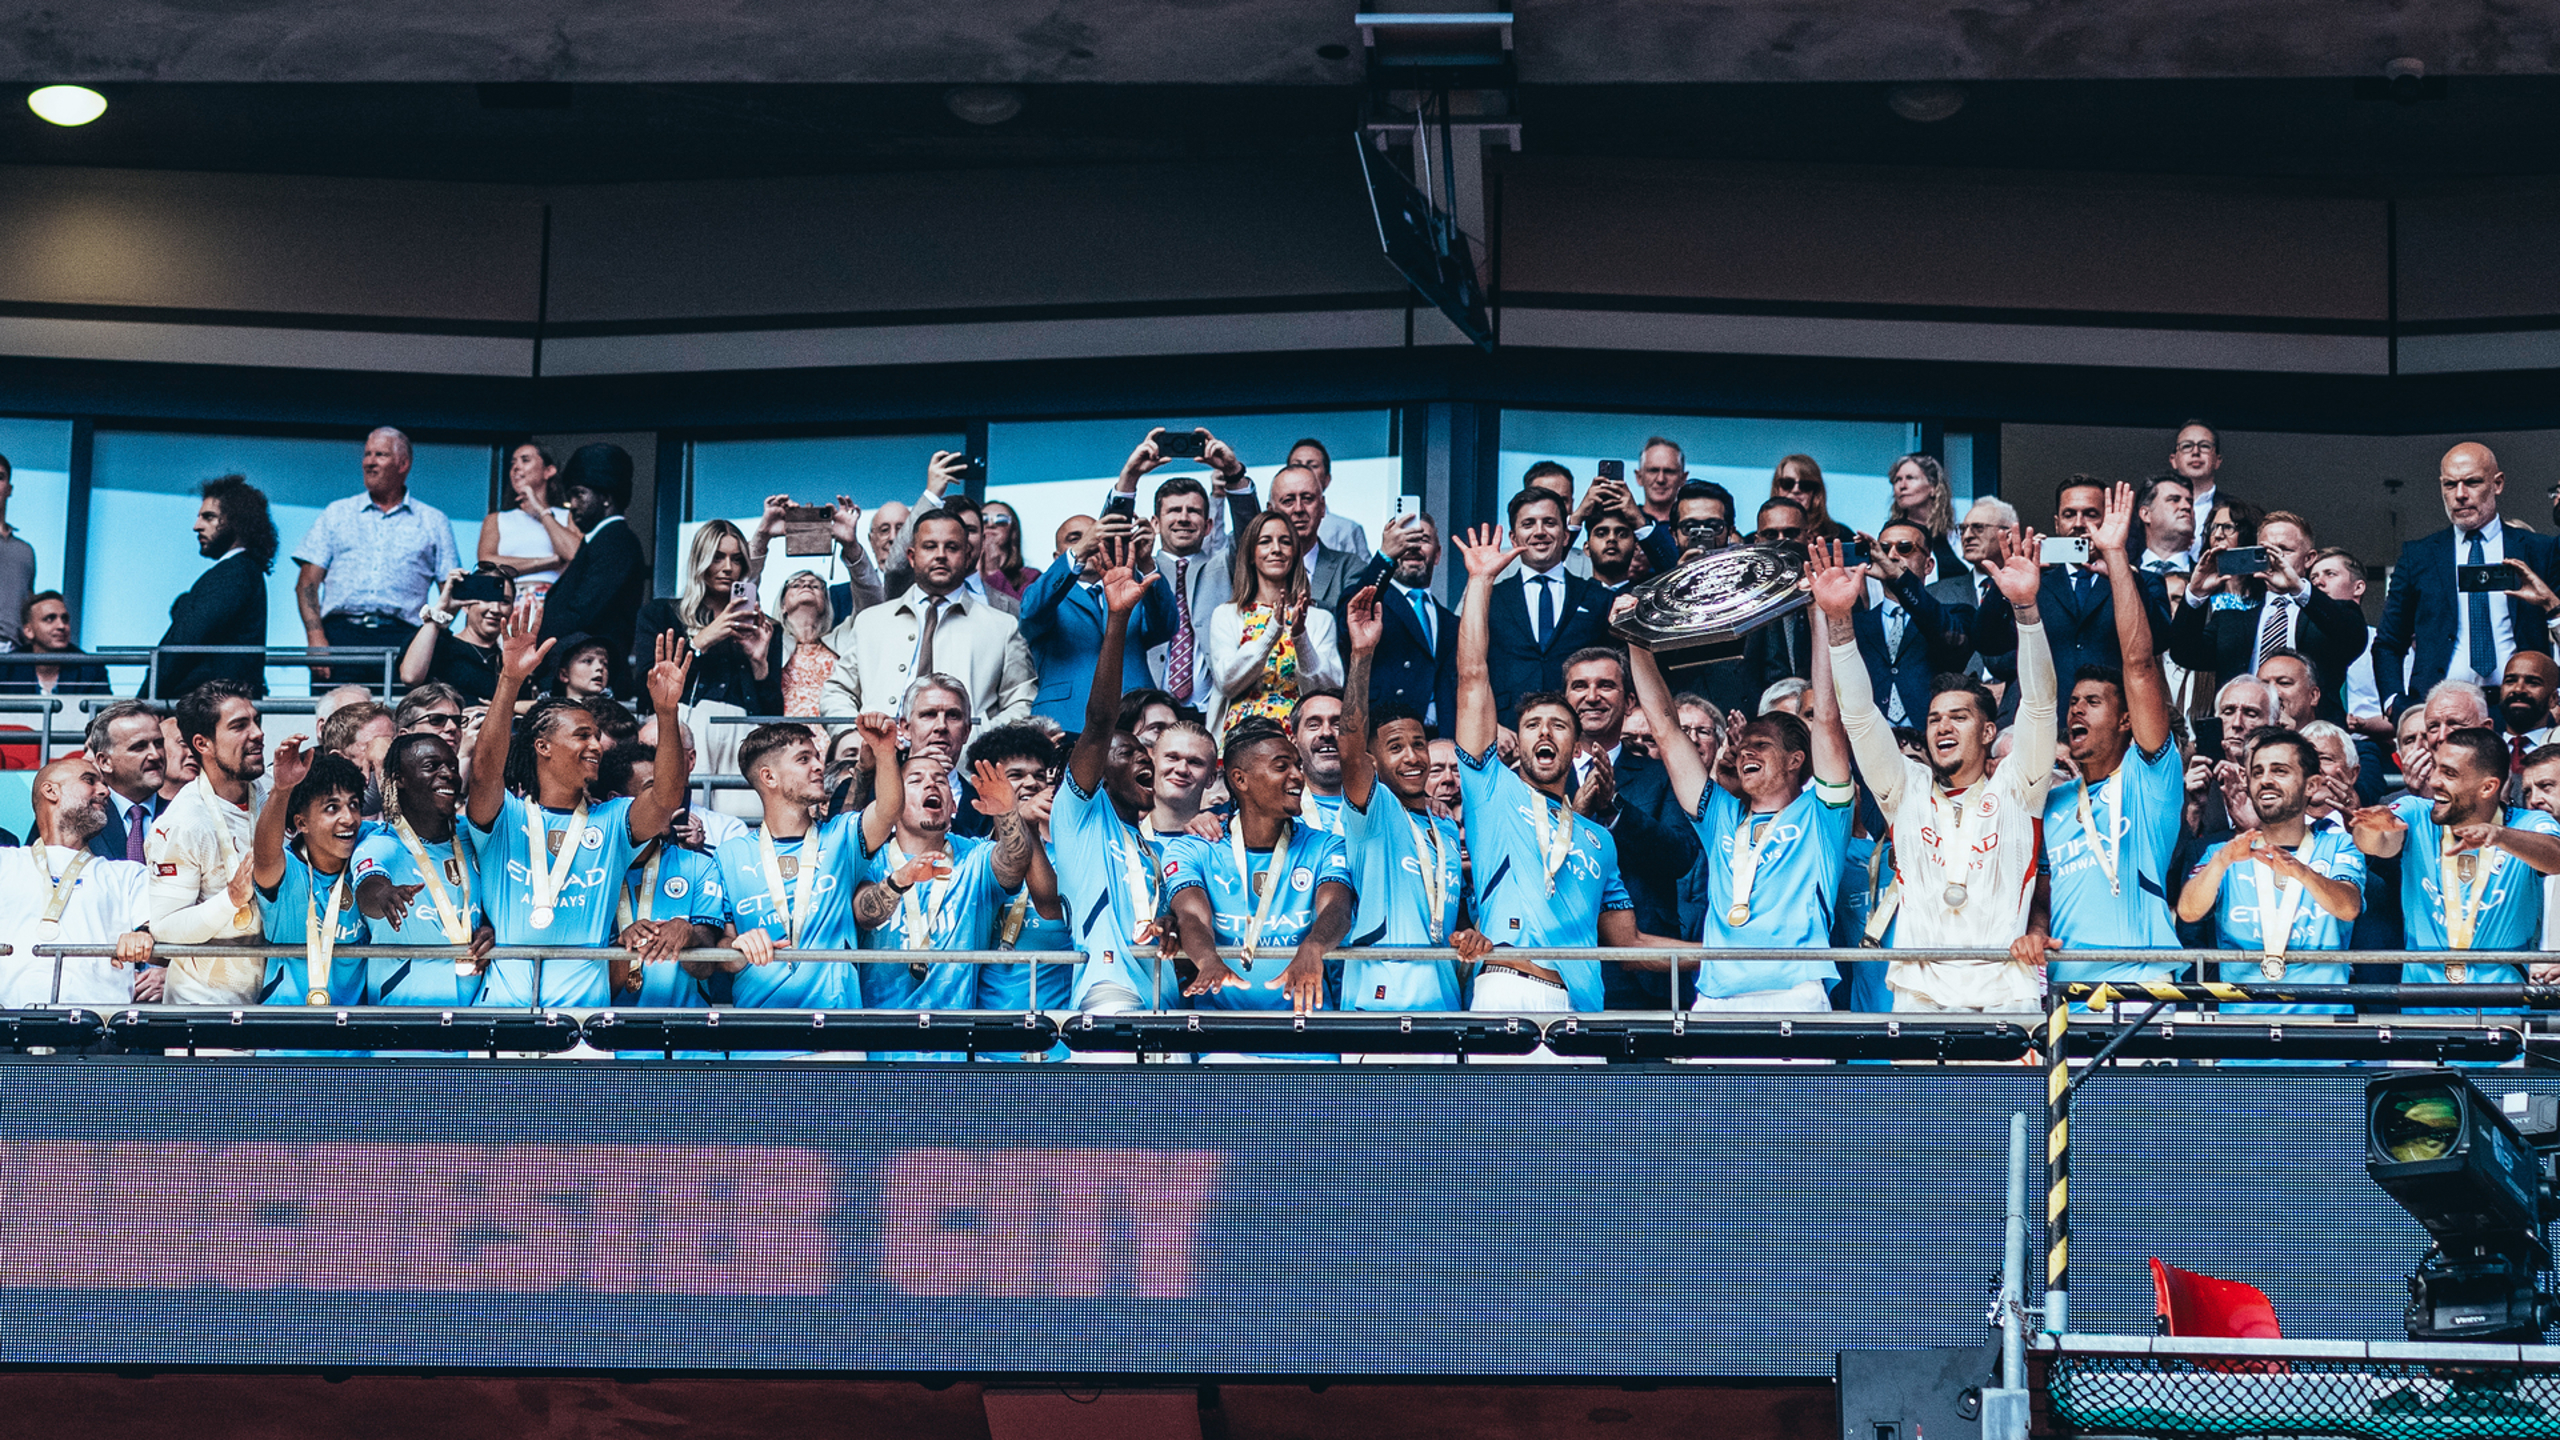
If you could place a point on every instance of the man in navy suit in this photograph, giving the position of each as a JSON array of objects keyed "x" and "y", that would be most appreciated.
[
  {"x": 1062, "y": 619},
  {"x": 1906, "y": 636},
  {"x": 2458, "y": 635},
  {"x": 2077, "y": 603},
  {"x": 1627, "y": 792},
  {"x": 2220, "y": 628},
  {"x": 1417, "y": 659},
  {"x": 228, "y": 603},
  {"x": 1544, "y": 613},
  {"x": 126, "y": 742}
]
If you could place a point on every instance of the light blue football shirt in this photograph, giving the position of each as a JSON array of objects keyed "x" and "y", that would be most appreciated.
[
  {"x": 688, "y": 889},
  {"x": 2510, "y": 909},
  {"x": 2247, "y": 898},
  {"x": 1391, "y": 853},
  {"x": 583, "y": 913},
  {"x": 1514, "y": 903},
  {"x": 1113, "y": 882},
  {"x": 1309, "y": 860},
  {"x": 1793, "y": 893},
  {"x": 960, "y": 913},
  {"x": 2144, "y": 804},
  {"x": 284, "y": 916},
  {"x": 798, "y": 984},
  {"x": 422, "y": 981}
]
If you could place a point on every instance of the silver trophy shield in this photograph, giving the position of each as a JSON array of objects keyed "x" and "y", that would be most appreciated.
[{"x": 1713, "y": 601}]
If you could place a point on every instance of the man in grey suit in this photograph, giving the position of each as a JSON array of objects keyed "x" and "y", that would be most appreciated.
[{"x": 1298, "y": 493}]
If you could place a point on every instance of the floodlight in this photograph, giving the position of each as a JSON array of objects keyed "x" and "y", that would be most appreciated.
[{"x": 67, "y": 104}]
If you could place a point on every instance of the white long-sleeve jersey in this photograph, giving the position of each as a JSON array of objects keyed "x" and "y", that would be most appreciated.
[{"x": 194, "y": 849}]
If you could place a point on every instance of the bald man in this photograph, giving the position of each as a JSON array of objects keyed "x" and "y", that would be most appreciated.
[
  {"x": 2434, "y": 630},
  {"x": 55, "y": 892}
]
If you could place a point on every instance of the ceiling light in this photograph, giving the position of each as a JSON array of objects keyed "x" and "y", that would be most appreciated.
[
  {"x": 983, "y": 104},
  {"x": 67, "y": 104},
  {"x": 1925, "y": 104}
]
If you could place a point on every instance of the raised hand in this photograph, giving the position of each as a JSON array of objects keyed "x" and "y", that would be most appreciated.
[
  {"x": 996, "y": 798},
  {"x": 1837, "y": 588},
  {"x": 292, "y": 762},
  {"x": 770, "y": 523},
  {"x": 918, "y": 869},
  {"x": 1363, "y": 622},
  {"x": 945, "y": 469},
  {"x": 1123, "y": 584},
  {"x": 521, "y": 648},
  {"x": 844, "y": 521},
  {"x": 2115, "y": 527},
  {"x": 2020, "y": 574},
  {"x": 1485, "y": 551},
  {"x": 668, "y": 676}
]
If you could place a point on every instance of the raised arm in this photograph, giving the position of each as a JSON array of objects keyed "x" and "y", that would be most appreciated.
[
  {"x": 418, "y": 661},
  {"x": 1122, "y": 588},
  {"x": 2146, "y": 685},
  {"x": 2019, "y": 579},
  {"x": 520, "y": 654},
  {"x": 1822, "y": 714},
  {"x": 1016, "y": 845},
  {"x": 888, "y": 780},
  {"x": 655, "y": 807},
  {"x": 1681, "y": 762},
  {"x": 1836, "y": 591},
  {"x": 1364, "y": 626},
  {"x": 292, "y": 763},
  {"x": 1479, "y": 714}
]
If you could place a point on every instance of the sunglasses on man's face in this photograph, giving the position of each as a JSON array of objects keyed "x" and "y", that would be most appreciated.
[
  {"x": 439, "y": 721},
  {"x": 1899, "y": 547},
  {"x": 1782, "y": 532},
  {"x": 1705, "y": 527}
]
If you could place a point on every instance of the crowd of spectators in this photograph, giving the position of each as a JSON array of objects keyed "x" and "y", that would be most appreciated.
[{"x": 2159, "y": 722}]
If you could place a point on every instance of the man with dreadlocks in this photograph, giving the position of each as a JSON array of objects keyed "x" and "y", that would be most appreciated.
[
  {"x": 549, "y": 861},
  {"x": 415, "y": 881}
]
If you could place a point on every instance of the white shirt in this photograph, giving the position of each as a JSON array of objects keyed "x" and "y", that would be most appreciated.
[
  {"x": 1582, "y": 762},
  {"x": 1535, "y": 584},
  {"x": 974, "y": 643},
  {"x": 2204, "y": 517},
  {"x": 110, "y": 898},
  {"x": 2364, "y": 696},
  {"x": 2502, "y": 628},
  {"x": 2175, "y": 562},
  {"x": 194, "y": 849},
  {"x": 719, "y": 828}
]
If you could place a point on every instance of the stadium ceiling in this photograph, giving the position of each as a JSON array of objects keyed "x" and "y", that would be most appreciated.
[{"x": 1255, "y": 42}]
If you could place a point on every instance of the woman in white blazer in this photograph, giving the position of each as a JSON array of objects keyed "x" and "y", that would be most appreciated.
[{"x": 1269, "y": 645}]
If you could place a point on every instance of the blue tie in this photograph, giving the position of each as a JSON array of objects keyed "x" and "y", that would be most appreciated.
[
  {"x": 1422, "y": 616},
  {"x": 2484, "y": 645},
  {"x": 1546, "y": 609}
]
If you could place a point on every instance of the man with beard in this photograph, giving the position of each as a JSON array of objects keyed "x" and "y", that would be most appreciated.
[
  {"x": 55, "y": 892},
  {"x": 2470, "y": 865},
  {"x": 228, "y": 603},
  {"x": 1544, "y": 876},
  {"x": 1107, "y": 869},
  {"x": 1316, "y": 727},
  {"x": 198, "y": 848},
  {"x": 2290, "y": 884},
  {"x": 1277, "y": 887},
  {"x": 548, "y": 863},
  {"x": 416, "y": 851},
  {"x": 1407, "y": 864},
  {"x": 2111, "y": 834},
  {"x": 1965, "y": 829},
  {"x": 1417, "y": 660},
  {"x": 1194, "y": 550},
  {"x": 2524, "y": 703}
]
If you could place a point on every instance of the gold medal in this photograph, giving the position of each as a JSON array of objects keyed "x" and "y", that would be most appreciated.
[
  {"x": 319, "y": 995},
  {"x": 1740, "y": 914},
  {"x": 554, "y": 838},
  {"x": 790, "y": 866},
  {"x": 453, "y": 870},
  {"x": 2456, "y": 972}
]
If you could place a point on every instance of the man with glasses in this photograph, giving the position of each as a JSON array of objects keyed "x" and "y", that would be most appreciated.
[
  {"x": 1702, "y": 520},
  {"x": 1977, "y": 540},
  {"x": 2195, "y": 457},
  {"x": 1663, "y": 471},
  {"x": 1906, "y": 636},
  {"x": 433, "y": 707}
]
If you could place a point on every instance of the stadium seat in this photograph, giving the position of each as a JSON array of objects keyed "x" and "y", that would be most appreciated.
[{"x": 2200, "y": 1305}]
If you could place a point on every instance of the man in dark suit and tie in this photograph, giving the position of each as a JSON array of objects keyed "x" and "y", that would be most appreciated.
[
  {"x": 1062, "y": 619},
  {"x": 2076, "y": 602},
  {"x": 1629, "y": 793},
  {"x": 2289, "y": 613},
  {"x": 125, "y": 740},
  {"x": 1417, "y": 658},
  {"x": 228, "y": 603},
  {"x": 2459, "y": 635},
  {"x": 600, "y": 592},
  {"x": 1906, "y": 635},
  {"x": 1544, "y": 613}
]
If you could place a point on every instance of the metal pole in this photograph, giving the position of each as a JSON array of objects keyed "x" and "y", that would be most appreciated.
[
  {"x": 2006, "y": 1414},
  {"x": 2057, "y": 1168}
]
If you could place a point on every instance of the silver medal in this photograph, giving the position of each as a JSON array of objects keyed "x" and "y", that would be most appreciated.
[
  {"x": 2271, "y": 968},
  {"x": 1955, "y": 896},
  {"x": 541, "y": 917}
]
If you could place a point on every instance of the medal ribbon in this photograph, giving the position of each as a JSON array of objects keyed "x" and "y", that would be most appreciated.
[
  {"x": 550, "y": 876},
  {"x": 448, "y": 915},
  {"x": 2279, "y": 900},
  {"x": 1435, "y": 879},
  {"x": 800, "y": 902},
  {"x": 2110, "y": 854},
  {"x": 1275, "y": 878},
  {"x": 1552, "y": 847},
  {"x": 1747, "y": 854},
  {"x": 2462, "y": 923},
  {"x": 320, "y": 940},
  {"x": 1945, "y": 832},
  {"x": 1141, "y": 871},
  {"x": 60, "y": 900},
  {"x": 626, "y": 899},
  {"x": 921, "y": 913}
]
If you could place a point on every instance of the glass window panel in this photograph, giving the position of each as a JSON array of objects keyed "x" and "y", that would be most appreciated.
[
  {"x": 731, "y": 478},
  {"x": 1050, "y": 470},
  {"x": 1738, "y": 453},
  {"x": 39, "y": 454},
  {"x": 142, "y": 503}
]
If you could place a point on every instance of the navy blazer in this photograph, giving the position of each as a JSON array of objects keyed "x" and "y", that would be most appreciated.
[
  {"x": 1062, "y": 624},
  {"x": 2423, "y": 609},
  {"x": 1936, "y": 642},
  {"x": 226, "y": 606},
  {"x": 2225, "y": 642},
  {"x": 1408, "y": 667},
  {"x": 108, "y": 844},
  {"x": 2079, "y": 628},
  {"x": 1520, "y": 666}
]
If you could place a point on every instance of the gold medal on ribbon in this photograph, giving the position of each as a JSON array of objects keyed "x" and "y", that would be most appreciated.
[{"x": 1738, "y": 915}]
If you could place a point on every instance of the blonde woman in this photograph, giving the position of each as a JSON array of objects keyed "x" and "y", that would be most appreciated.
[
  {"x": 1268, "y": 645},
  {"x": 1922, "y": 496},
  {"x": 737, "y": 648}
]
